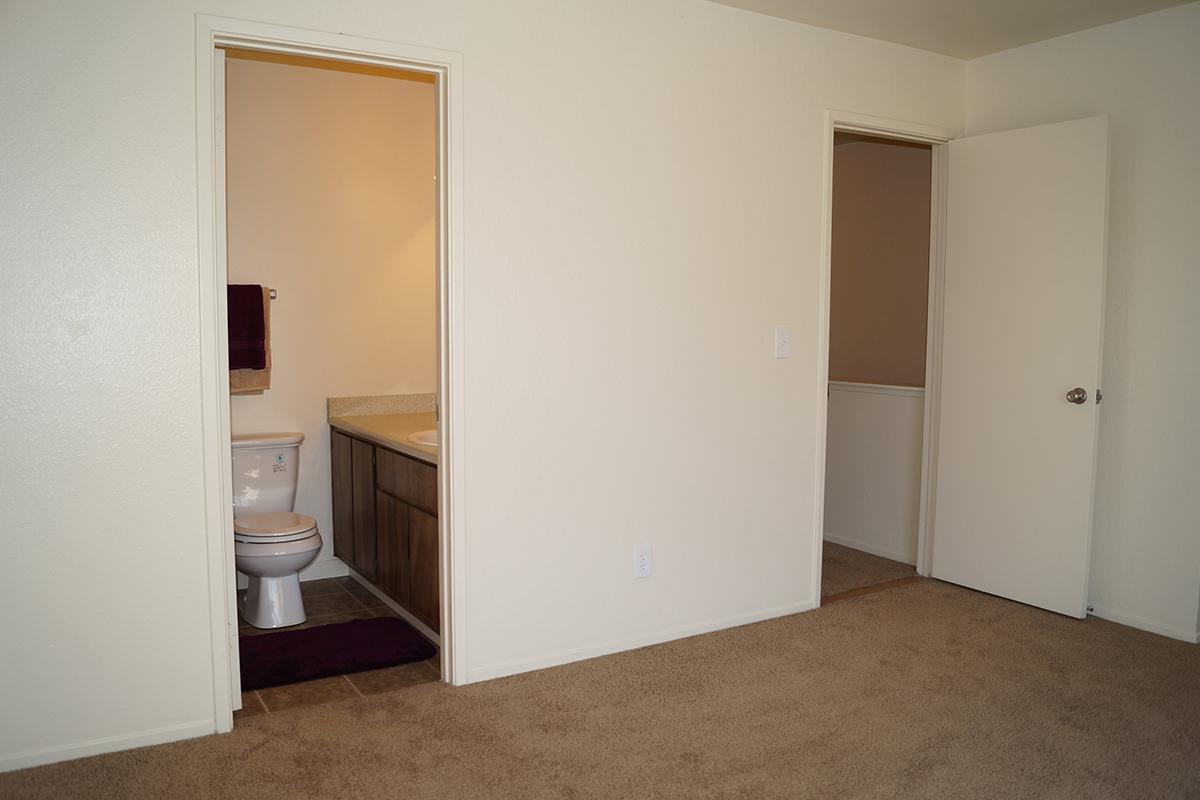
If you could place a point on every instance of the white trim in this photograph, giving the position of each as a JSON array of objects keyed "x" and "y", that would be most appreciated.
[
  {"x": 937, "y": 136},
  {"x": 877, "y": 388},
  {"x": 106, "y": 744},
  {"x": 1144, "y": 624},
  {"x": 933, "y": 355},
  {"x": 213, "y": 32},
  {"x": 853, "y": 122},
  {"x": 619, "y": 645},
  {"x": 873, "y": 549},
  {"x": 214, "y": 382},
  {"x": 452, "y": 376},
  {"x": 403, "y": 612},
  {"x": 221, "y": 253}
]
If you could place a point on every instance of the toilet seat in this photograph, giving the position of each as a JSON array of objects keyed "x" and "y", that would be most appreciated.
[{"x": 273, "y": 527}]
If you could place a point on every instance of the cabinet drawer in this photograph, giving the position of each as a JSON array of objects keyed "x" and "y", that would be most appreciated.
[{"x": 407, "y": 479}]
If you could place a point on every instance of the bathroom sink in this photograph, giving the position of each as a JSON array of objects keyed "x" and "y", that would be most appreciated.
[{"x": 425, "y": 438}]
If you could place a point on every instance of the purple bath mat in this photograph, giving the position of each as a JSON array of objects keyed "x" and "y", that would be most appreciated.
[{"x": 274, "y": 659}]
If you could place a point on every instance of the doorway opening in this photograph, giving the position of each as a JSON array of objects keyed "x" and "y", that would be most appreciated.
[
  {"x": 884, "y": 206},
  {"x": 331, "y": 245},
  {"x": 324, "y": 241},
  {"x": 878, "y": 320}
]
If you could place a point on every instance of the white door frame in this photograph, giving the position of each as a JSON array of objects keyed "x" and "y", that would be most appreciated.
[
  {"x": 446, "y": 66},
  {"x": 937, "y": 137}
]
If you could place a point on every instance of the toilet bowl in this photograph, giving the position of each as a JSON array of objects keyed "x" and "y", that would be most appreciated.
[
  {"x": 271, "y": 544},
  {"x": 270, "y": 550}
]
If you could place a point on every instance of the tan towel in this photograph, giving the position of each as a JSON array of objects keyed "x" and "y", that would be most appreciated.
[{"x": 255, "y": 381}]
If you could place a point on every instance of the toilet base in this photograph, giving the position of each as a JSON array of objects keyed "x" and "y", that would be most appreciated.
[{"x": 273, "y": 602}]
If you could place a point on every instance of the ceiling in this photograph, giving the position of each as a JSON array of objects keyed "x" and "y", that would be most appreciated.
[{"x": 961, "y": 28}]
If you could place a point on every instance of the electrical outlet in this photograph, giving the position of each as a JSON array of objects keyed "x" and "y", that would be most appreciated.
[{"x": 643, "y": 561}]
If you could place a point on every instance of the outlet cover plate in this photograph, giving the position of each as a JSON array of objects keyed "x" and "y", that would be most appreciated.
[{"x": 643, "y": 561}]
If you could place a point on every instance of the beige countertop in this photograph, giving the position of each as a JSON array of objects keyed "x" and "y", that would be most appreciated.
[{"x": 391, "y": 431}]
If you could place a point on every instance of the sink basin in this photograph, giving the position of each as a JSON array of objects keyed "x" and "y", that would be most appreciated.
[{"x": 425, "y": 438}]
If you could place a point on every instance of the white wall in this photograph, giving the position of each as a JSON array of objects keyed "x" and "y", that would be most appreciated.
[
  {"x": 332, "y": 201},
  {"x": 642, "y": 190},
  {"x": 873, "y": 468},
  {"x": 1143, "y": 74}
]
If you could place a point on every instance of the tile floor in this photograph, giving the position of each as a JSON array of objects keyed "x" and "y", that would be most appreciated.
[{"x": 327, "y": 601}]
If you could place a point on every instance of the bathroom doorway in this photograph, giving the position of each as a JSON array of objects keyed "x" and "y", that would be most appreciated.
[
  {"x": 878, "y": 320},
  {"x": 882, "y": 249},
  {"x": 275, "y": 48},
  {"x": 331, "y": 212}
]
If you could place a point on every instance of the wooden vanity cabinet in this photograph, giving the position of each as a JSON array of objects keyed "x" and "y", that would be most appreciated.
[{"x": 385, "y": 522}]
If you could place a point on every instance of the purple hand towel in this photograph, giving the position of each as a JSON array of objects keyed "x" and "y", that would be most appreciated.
[{"x": 247, "y": 327}]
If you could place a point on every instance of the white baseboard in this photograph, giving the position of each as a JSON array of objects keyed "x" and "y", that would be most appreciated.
[
  {"x": 875, "y": 550},
  {"x": 1141, "y": 623},
  {"x": 107, "y": 744},
  {"x": 321, "y": 568},
  {"x": 404, "y": 613},
  {"x": 501, "y": 670}
]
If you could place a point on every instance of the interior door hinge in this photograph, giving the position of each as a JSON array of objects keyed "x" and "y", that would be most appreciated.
[{"x": 1099, "y": 396}]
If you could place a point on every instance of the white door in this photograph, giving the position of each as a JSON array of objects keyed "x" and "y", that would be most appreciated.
[{"x": 1024, "y": 296}]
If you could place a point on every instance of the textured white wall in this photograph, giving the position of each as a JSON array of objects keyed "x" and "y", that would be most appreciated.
[
  {"x": 873, "y": 468},
  {"x": 332, "y": 201},
  {"x": 1143, "y": 74},
  {"x": 642, "y": 190}
]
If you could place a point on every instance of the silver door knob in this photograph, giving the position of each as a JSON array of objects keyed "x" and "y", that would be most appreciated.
[{"x": 1078, "y": 396}]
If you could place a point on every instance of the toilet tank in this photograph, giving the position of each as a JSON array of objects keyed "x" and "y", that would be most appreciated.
[{"x": 265, "y": 469}]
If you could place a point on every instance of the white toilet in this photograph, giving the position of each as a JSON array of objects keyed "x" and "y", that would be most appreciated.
[{"x": 271, "y": 544}]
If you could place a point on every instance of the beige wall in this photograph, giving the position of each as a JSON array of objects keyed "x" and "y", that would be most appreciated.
[
  {"x": 1142, "y": 73},
  {"x": 637, "y": 217},
  {"x": 880, "y": 271},
  {"x": 331, "y": 201}
]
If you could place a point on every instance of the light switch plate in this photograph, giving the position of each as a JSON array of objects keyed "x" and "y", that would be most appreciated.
[{"x": 783, "y": 341}]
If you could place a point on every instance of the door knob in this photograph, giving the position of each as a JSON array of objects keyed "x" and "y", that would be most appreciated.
[{"x": 1078, "y": 396}]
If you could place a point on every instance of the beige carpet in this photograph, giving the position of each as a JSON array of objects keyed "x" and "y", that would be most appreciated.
[
  {"x": 843, "y": 568},
  {"x": 925, "y": 690}
]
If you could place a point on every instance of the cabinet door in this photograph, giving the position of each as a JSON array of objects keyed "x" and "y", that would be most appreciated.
[
  {"x": 423, "y": 555},
  {"x": 391, "y": 555},
  {"x": 343, "y": 496},
  {"x": 362, "y": 458}
]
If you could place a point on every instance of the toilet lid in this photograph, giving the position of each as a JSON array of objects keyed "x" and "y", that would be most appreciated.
[{"x": 272, "y": 525}]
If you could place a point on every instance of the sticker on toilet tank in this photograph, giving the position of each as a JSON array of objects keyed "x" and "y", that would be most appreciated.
[{"x": 279, "y": 465}]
